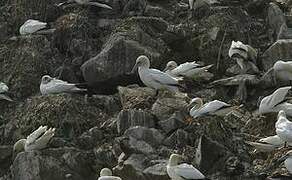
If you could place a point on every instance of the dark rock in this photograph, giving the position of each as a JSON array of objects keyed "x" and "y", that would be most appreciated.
[
  {"x": 104, "y": 157},
  {"x": 149, "y": 135},
  {"x": 163, "y": 108},
  {"x": 130, "y": 118},
  {"x": 132, "y": 168},
  {"x": 136, "y": 97},
  {"x": 156, "y": 11},
  {"x": 275, "y": 19},
  {"x": 121, "y": 50},
  {"x": 5, "y": 158},
  {"x": 89, "y": 139},
  {"x": 157, "y": 172},
  {"x": 280, "y": 50},
  {"x": 33, "y": 165},
  {"x": 207, "y": 158},
  {"x": 26, "y": 61},
  {"x": 234, "y": 166},
  {"x": 134, "y": 8},
  {"x": 178, "y": 139},
  {"x": 140, "y": 147},
  {"x": 176, "y": 121}
]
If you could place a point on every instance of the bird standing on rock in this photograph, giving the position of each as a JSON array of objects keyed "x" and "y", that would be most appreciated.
[
  {"x": 183, "y": 171},
  {"x": 51, "y": 85},
  {"x": 154, "y": 78}
]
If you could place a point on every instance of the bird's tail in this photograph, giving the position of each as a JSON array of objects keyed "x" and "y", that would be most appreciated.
[{"x": 205, "y": 68}]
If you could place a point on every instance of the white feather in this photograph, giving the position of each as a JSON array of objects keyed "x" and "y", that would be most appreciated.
[{"x": 31, "y": 26}]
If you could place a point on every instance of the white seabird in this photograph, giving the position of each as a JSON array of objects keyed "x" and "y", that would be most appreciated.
[
  {"x": 35, "y": 141},
  {"x": 154, "y": 78},
  {"x": 275, "y": 102},
  {"x": 51, "y": 85},
  {"x": 183, "y": 171},
  {"x": 198, "y": 108},
  {"x": 3, "y": 90},
  {"x": 87, "y": 2},
  {"x": 284, "y": 127},
  {"x": 31, "y": 26},
  {"x": 106, "y": 174},
  {"x": 187, "y": 69},
  {"x": 283, "y": 71},
  {"x": 287, "y": 158},
  {"x": 243, "y": 54},
  {"x": 267, "y": 144}
]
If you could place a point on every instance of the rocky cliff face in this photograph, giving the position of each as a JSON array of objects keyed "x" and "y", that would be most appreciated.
[{"x": 124, "y": 126}]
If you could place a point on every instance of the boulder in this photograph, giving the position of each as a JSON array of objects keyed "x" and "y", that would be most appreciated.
[
  {"x": 132, "y": 168},
  {"x": 149, "y": 135},
  {"x": 136, "y": 97},
  {"x": 177, "y": 120},
  {"x": 157, "y": 172},
  {"x": 25, "y": 61},
  {"x": 280, "y": 50},
  {"x": 275, "y": 19},
  {"x": 54, "y": 164},
  {"x": 178, "y": 139},
  {"x": 5, "y": 158},
  {"x": 163, "y": 108},
  {"x": 119, "y": 53},
  {"x": 130, "y": 118}
]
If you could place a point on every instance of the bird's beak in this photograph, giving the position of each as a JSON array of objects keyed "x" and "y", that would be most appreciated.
[
  {"x": 134, "y": 68},
  {"x": 283, "y": 158},
  {"x": 166, "y": 68}
]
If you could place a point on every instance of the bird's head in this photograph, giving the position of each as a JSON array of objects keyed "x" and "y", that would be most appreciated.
[
  {"x": 170, "y": 66},
  {"x": 105, "y": 172},
  {"x": 18, "y": 147},
  {"x": 141, "y": 61},
  {"x": 46, "y": 79},
  {"x": 175, "y": 159},
  {"x": 195, "y": 102}
]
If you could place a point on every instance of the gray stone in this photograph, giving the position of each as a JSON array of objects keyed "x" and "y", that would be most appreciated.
[
  {"x": 157, "y": 172},
  {"x": 141, "y": 146},
  {"x": 285, "y": 32},
  {"x": 275, "y": 19},
  {"x": 33, "y": 165},
  {"x": 130, "y": 118},
  {"x": 163, "y": 108},
  {"x": 280, "y": 50},
  {"x": 176, "y": 121},
  {"x": 208, "y": 159},
  {"x": 178, "y": 139},
  {"x": 132, "y": 168},
  {"x": 89, "y": 139},
  {"x": 149, "y": 135},
  {"x": 5, "y": 158}
]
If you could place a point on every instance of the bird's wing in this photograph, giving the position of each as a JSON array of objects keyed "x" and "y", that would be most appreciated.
[
  {"x": 109, "y": 178},
  {"x": 32, "y": 26},
  {"x": 99, "y": 5},
  {"x": 274, "y": 140},
  {"x": 213, "y": 106},
  {"x": 182, "y": 68},
  {"x": 288, "y": 66},
  {"x": 43, "y": 140},
  {"x": 3, "y": 87},
  {"x": 188, "y": 172},
  {"x": 161, "y": 77},
  {"x": 275, "y": 98},
  {"x": 36, "y": 134},
  {"x": 60, "y": 86}
]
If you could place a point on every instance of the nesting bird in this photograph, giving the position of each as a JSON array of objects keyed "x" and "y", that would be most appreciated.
[
  {"x": 3, "y": 91},
  {"x": 154, "y": 78},
  {"x": 51, "y": 85},
  {"x": 31, "y": 26},
  {"x": 283, "y": 71},
  {"x": 187, "y": 69},
  {"x": 244, "y": 55},
  {"x": 276, "y": 102},
  {"x": 87, "y": 2},
  {"x": 267, "y": 144},
  {"x": 199, "y": 108},
  {"x": 106, "y": 174},
  {"x": 284, "y": 128},
  {"x": 183, "y": 171},
  {"x": 35, "y": 141}
]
